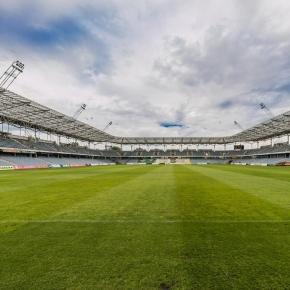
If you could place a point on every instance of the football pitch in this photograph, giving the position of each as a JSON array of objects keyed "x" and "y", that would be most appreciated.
[{"x": 145, "y": 227}]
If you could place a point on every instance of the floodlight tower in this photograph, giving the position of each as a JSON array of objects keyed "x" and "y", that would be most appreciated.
[
  {"x": 105, "y": 128},
  {"x": 10, "y": 75},
  {"x": 108, "y": 125},
  {"x": 79, "y": 111},
  {"x": 266, "y": 109},
  {"x": 238, "y": 125}
]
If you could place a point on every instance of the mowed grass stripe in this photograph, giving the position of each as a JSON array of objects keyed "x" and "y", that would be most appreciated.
[
  {"x": 52, "y": 175},
  {"x": 269, "y": 189},
  {"x": 89, "y": 256},
  {"x": 278, "y": 172},
  {"x": 149, "y": 195},
  {"x": 37, "y": 196},
  {"x": 237, "y": 256},
  {"x": 140, "y": 221},
  {"x": 203, "y": 196},
  {"x": 93, "y": 256},
  {"x": 225, "y": 251}
]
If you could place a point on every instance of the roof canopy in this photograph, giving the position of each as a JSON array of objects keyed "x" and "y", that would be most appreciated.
[
  {"x": 24, "y": 112},
  {"x": 21, "y": 111}
]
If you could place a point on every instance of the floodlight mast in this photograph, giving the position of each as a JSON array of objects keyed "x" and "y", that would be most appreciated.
[
  {"x": 10, "y": 75},
  {"x": 79, "y": 111},
  {"x": 107, "y": 126},
  {"x": 265, "y": 108},
  {"x": 238, "y": 125}
]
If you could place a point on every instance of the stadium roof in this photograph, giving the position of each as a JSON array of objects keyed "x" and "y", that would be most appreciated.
[
  {"x": 276, "y": 126},
  {"x": 176, "y": 140},
  {"x": 22, "y": 111}
]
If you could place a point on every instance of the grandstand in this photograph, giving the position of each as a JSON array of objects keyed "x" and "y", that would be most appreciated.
[{"x": 23, "y": 114}]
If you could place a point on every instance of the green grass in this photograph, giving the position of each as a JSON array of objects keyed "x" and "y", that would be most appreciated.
[{"x": 146, "y": 227}]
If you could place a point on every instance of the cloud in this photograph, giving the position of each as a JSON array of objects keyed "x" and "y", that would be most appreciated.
[
  {"x": 138, "y": 64},
  {"x": 227, "y": 56}
]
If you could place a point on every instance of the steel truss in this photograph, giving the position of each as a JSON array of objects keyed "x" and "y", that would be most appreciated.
[{"x": 25, "y": 113}]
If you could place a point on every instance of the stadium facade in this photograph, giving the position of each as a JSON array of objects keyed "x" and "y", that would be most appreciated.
[{"x": 43, "y": 146}]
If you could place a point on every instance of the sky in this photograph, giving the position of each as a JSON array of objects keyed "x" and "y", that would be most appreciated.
[{"x": 154, "y": 67}]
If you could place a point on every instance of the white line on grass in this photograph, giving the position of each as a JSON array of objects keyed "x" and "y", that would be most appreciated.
[{"x": 136, "y": 221}]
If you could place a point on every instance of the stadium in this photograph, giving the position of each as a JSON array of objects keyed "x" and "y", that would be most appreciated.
[
  {"x": 87, "y": 206},
  {"x": 231, "y": 214},
  {"x": 33, "y": 152}
]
